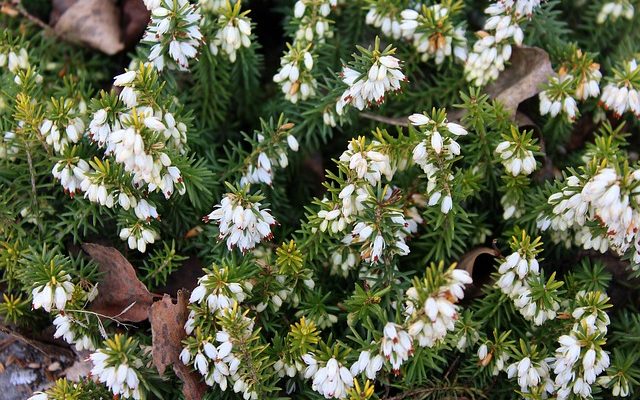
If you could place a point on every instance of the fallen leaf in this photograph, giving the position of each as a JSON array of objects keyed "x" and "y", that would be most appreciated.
[
  {"x": 59, "y": 7},
  {"x": 167, "y": 331},
  {"x": 479, "y": 263},
  {"x": 135, "y": 17},
  {"x": 529, "y": 68},
  {"x": 94, "y": 23},
  {"x": 120, "y": 294},
  {"x": 80, "y": 369}
]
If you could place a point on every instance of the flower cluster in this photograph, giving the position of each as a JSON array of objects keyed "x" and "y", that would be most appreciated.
[
  {"x": 396, "y": 345},
  {"x": 71, "y": 173},
  {"x": 381, "y": 228},
  {"x": 578, "y": 78},
  {"x": 74, "y": 331},
  {"x": 533, "y": 372},
  {"x": 493, "y": 48},
  {"x": 604, "y": 197},
  {"x": 612, "y": 10},
  {"x": 15, "y": 60},
  {"x": 520, "y": 279},
  {"x": 233, "y": 31},
  {"x": 295, "y": 76},
  {"x": 367, "y": 364},
  {"x": 141, "y": 137},
  {"x": 374, "y": 74},
  {"x": 556, "y": 98},
  {"x": 311, "y": 20},
  {"x": 621, "y": 92},
  {"x": 65, "y": 126},
  {"x": 436, "y": 153},
  {"x": 580, "y": 358},
  {"x": 516, "y": 152},
  {"x": 54, "y": 293},
  {"x": 173, "y": 31},
  {"x": 331, "y": 378},
  {"x": 117, "y": 365},
  {"x": 241, "y": 220},
  {"x": 433, "y": 32},
  {"x": 217, "y": 348},
  {"x": 216, "y": 291},
  {"x": 8, "y": 146},
  {"x": 386, "y": 16},
  {"x": 269, "y": 148},
  {"x": 431, "y": 304}
]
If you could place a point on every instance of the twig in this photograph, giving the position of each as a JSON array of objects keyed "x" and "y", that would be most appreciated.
[
  {"x": 391, "y": 121},
  {"x": 16, "y": 6},
  {"x": 34, "y": 191}
]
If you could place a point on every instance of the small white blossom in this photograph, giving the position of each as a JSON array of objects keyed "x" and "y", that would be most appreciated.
[
  {"x": 397, "y": 345},
  {"x": 53, "y": 295},
  {"x": 242, "y": 223},
  {"x": 369, "y": 87},
  {"x": 613, "y": 10}
]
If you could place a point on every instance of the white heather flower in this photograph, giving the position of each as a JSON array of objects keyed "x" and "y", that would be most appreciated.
[
  {"x": 531, "y": 374},
  {"x": 557, "y": 99},
  {"x": 429, "y": 322},
  {"x": 577, "y": 365},
  {"x": 389, "y": 24},
  {"x": 70, "y": 175},
  {"x": 65, "y": 329},
  {"x": 53, "y": 295},
  {"x": 435, "y": 154},
  {"x": 433, "y": 33},
  {"x": 604, "y": 198},
  {"x": 295, "y": 77},
  {"x": 138, "y": 236},
  {"x": 613, "y": 10},
  {"x": 121, "y": 379},
  {"x": 397, "y": 345},
  {"x": 15, "y": 60},
  {"x": 173, "y": 31},
  {"x": 241, "y": 222},
  {"x": 8, "y": 147},
  {"x": 369, "y": 87},
  {"x": 310, "y": 17},
  {"x": 333, "y": 380},
  {"x": 367, "y": 364},
  {"x": 621, "y": 94},
  {"x": 260, "y": 167},
  {"x": 60, "y": 135},
  {"x": 493, "y": 48},
  {"x": 516, "y": 159},
  {"x": 217, "y": 294},
  {"x": 367, "y": 163},
  {"x": 233, "y": 34}
]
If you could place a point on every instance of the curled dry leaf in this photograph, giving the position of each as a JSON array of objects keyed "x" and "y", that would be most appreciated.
[
  {"x": 479, "y": 263},
  {"x": 120, "y": 294},
  {"x": 528, "y": 70},
  {"x": 167, "y": 330},
  {"x": 94, "y": 23},
  {"x": 135, "y": 18}
]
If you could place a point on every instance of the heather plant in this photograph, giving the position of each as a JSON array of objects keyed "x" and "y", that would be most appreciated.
[{"x": 381, "y": 199}]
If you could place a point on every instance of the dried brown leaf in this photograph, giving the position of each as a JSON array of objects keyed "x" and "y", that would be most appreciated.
[
  {"x": 94, "y": 23},
  {"x": 135, "y": 17},
  {"x": 529, "y": 68},
  {"x": 479, "y": 264},
  {"x": 167, "y": 330},
  {"x": 120, "y": 294}
]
